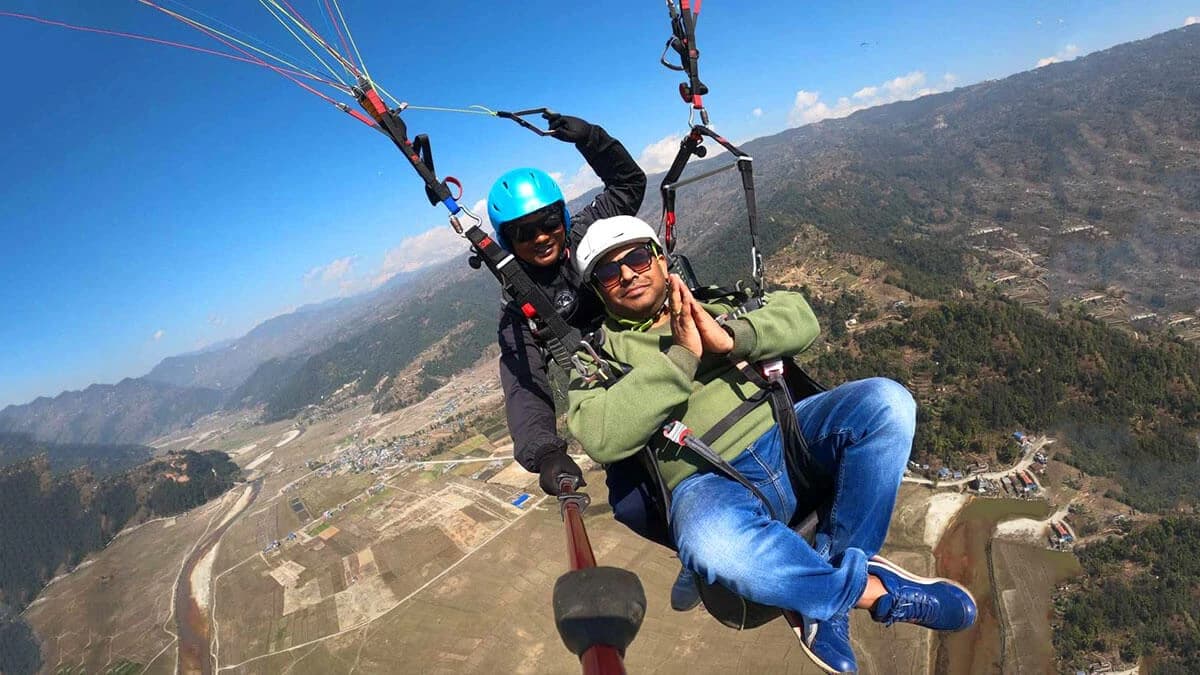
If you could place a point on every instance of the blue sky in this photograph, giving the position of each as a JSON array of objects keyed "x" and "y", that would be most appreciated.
[{"x": 154, "y": 200}]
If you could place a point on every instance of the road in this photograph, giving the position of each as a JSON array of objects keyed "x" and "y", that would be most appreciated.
[{"x": 1024, "y": 463}]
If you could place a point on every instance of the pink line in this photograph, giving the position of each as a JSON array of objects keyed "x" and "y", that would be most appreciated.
[{"x": 146, "y": 38}]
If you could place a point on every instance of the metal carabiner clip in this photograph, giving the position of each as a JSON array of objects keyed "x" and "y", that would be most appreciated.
[{"x": 590, "y": 376}]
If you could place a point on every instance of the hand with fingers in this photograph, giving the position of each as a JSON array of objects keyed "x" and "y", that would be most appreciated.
[
  {"x": 715, "y": 339},
  {"x": 566, "y": 128},
  {"x": 683, "y": 325}
]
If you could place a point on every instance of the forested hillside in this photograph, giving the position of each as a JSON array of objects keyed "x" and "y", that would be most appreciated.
[
  {"x": 1128, "y": 409},
  {"x": 463, "y": 315},
  {"x": 1139, "y": 598},
  {"x": 51, "y": 523}
]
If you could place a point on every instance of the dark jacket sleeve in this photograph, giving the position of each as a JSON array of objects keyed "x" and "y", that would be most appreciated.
[
  {"x": 624, "y": 181},
  {"x": 528, "y": 401}
]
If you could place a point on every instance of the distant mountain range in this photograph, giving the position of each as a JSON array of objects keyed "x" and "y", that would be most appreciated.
[
  {"x": 101, "y": 460},
  {"x": 309, "y": 329},
  {"x": 181, "y": 389},
  {"x": 131, "y": 411},
  {"x": 1089, "y": 169}
]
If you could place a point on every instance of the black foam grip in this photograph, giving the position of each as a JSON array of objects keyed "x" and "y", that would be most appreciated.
[{"x": 598, "y": 606}]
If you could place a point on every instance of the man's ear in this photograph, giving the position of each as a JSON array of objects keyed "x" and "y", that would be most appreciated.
[{"x": 666, "y": 269}]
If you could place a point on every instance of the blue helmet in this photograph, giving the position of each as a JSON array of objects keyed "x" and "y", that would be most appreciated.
[{"x": 519, "y": 193}]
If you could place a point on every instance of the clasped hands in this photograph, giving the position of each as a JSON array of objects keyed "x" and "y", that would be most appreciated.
[{"x": 692, "y": 327}]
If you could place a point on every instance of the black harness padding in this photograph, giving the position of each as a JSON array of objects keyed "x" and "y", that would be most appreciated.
[{"x": 561, "y": 339}]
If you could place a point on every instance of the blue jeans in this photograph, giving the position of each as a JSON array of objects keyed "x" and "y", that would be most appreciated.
[{"x": 861, "y": 432}]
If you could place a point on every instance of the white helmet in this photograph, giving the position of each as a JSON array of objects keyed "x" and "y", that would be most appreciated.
[{"x": 608, "y": 234}]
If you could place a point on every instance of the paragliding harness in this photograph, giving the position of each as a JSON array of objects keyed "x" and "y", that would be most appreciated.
[{"x": 781, "y": 383}]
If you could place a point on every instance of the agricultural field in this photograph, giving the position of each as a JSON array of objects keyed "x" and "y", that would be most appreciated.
[{"x": 1026, "y": 577}]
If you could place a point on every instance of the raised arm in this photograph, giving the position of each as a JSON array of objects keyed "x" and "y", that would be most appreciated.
[{"x": 624, "y": 181}]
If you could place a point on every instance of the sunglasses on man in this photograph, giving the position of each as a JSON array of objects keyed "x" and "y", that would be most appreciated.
[
  {"x": 637, "y": 260},
  {"x": 546, "y": 220}
]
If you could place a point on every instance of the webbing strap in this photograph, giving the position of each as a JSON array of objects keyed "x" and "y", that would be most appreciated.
[
  {"x": 692, "y": 146},
  {"x": 726, "y": 423},
  {"x": 709, "y": 455},
  {"x": 421, "y": 158},
  {"x": 561, "y": 338}
]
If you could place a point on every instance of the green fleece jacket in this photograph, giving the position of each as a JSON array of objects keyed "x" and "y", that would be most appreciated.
[{"x": 667, "y": 382}]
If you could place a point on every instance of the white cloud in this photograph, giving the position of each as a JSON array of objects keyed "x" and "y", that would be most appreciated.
[
  {"x": 584, "y": 179},
  {"x": 1191, "y": 20},
  {"x": 158, "y": 335},
  {"x": 658, "y": 155},
  {"x": 808, "y": 106},
  {"x": 905, "y": 84},
  {"x": 757, "y": 112},
  {"x": 422, "y": 250},
  {"x": 1065, "y": 54},
  {"x": 334, "y": 271},
  {"x": 557, "y": 176},
  {"x": 866, "y": 92}
]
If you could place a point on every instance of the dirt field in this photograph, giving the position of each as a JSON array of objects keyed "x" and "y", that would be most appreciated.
[
  {"x": 440, "y": 573},
  {"x": 1026, "y": 577},
  {"x": 446, "y": 603}
]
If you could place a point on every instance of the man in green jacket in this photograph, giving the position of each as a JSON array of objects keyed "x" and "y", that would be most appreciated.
[{"x": 680, "y": 363}]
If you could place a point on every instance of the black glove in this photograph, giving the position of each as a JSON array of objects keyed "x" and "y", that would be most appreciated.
[
  {"x": 568, "y": 129},
  {"x": 556, "y": 464}
]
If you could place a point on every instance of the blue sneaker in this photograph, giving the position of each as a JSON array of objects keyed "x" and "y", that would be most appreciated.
[
  {"x": 827, "y": 643},
  {"x": 932, "y": 602},
  {"x": 685, "y": 594}
]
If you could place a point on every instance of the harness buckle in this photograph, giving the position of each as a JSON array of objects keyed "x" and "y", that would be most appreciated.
[
  {"x": 676, "y": 431},
  {"x": 771, "y": 370}
]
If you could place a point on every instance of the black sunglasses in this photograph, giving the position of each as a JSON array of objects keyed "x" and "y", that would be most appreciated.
[
  {"x": 637, "y": 260},
  {"x": 546, "y": 220}
]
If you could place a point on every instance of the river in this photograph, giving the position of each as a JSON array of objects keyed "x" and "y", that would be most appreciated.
[
  {"x": 964, "y": 553},
  {"x": 191, "y": 620}
]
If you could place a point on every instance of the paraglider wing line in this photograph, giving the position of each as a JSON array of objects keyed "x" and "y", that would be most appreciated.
[
  {"x": 267, "y": 48},
  {"x": 158, "y": 41},
  {"x": 338, "y": 30},
  {"x": 193, "y": 22},
  {"x": 351, "y": 36},
  {"x": 303, "y": 24},
  {"x": 206, "y": 30},
  {"x": 301, "y": 40}
]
